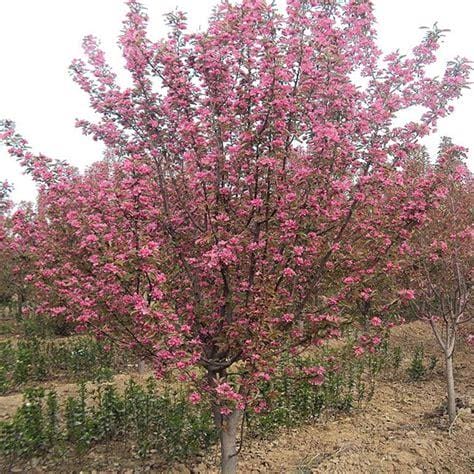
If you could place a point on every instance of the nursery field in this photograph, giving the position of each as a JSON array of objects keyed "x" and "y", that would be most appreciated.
[
  {"x": 68, "y": 405},
  {"x": 266, "y": 267}
]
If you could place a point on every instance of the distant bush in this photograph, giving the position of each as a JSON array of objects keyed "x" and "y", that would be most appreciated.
[
  {"x": 34, "y": 360},
  {"x": 293, "y": 402},
  {"x": 418, "y": 368}
]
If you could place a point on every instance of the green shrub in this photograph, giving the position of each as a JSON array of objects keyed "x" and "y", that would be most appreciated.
[
  {"x": 31, "y": 362},
  {"x": 417, "y": 369},
  {"x": 81, "y": 359},
  {"x": 164, "y": 422},
  {"x": 397, "y": 357},
  {"x": 292, "y": 402},
  {"x": 41, "y": 326},
  {"x": 79, "y": 423},
  {"x": 26, "y": 434}
]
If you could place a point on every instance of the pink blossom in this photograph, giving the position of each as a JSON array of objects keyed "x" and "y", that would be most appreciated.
[
  {"x": 260, "y": 406},
  {"x": 349, "y": 280},
  {"x": 90, "y": 239},
  {"x": 367, "y": 294},
  {"x": 194, "y": 398},
  {"x": 407, "y": 294},
  {"x": 288, "y": 317},
  {"x": 289, "y": 272},
  {"x": 358, "y": 351},
  {"x": 376, "y": 321},
  {"x": 263, "y": 375},
  {"x": 376, "y": 340},
  {"x": 225, "y": 411}
]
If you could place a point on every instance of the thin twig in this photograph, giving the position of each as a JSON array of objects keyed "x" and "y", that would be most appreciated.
[{"x": 451, "y": 426}]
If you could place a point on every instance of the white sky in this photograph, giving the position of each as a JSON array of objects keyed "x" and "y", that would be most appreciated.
[{"x": 38, "y": 40}]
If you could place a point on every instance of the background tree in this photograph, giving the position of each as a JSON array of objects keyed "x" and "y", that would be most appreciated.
[
  {"x": 14, "y": 254},
  {"x": 439, "y": 261},
  {"x": 6, "y": 291}
]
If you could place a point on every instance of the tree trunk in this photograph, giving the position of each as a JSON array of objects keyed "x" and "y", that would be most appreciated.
[
  {"x": 450, "y": 388},
  {"x": 228, "y": 427},
  {"x": 141, "y": 366},
  {"x": 21, "y": 300}
]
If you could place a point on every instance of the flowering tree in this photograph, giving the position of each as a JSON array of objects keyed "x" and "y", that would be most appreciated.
[
  {"x": 19, "y": 233},
  {"x": 439, "y": 261},
  {"x": 14, "y": 252},
  {"x": 5, "y": 207},
  {"x": 251, "y": 191}
]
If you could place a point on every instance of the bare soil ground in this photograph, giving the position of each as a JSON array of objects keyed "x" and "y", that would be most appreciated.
[{"x": 402, "y": 429}]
